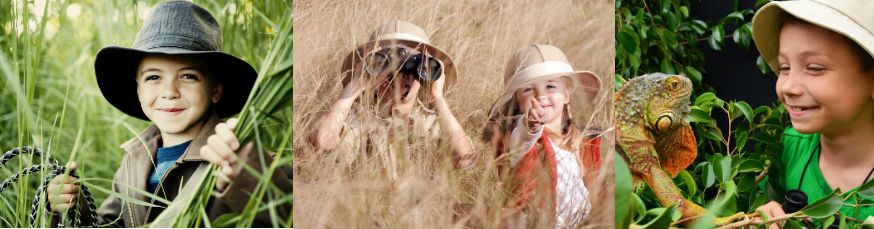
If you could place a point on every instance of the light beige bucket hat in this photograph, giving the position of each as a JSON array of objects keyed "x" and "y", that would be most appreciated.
[
  {"x": 398, "y": 32},
  {"x": 853, "y": 19},
  {"x": 540, "y": 62}
]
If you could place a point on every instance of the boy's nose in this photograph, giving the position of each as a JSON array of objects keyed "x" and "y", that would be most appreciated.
[
  {"x": 790, "y": 84},
  {"x": 170, "y": 91}
]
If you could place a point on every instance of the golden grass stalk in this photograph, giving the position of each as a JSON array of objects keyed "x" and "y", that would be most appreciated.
[{"x": 480, "y": 36}]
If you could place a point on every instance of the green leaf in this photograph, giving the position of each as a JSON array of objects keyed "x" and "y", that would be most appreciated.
[
  {"x": 735, "y": 16},
  {"x": 746, "y": 109},
  {"x": 762, "y": 65},
  {"x": 691, "y": 186},
  {"x": 699, "y": 26},
  {"x": 622, "y": 191},
  {"x": 639, "y": 208},
  {"x": 829, "y": 220},
  {"x": 824, "y": 207},
  {"x": 792, "y": 224},
  {"x": 628, "y": 40},
  {"x": 722, "y": 167},
  {"x": 668, "y": 38},
  {"x": 747, "y": 183},
  {"x": 667, "y": 67},
  {"x": 713, "y": 134},
  {"x": 708, "y": 176},
  {"x": 708, "y": 100},
  {"x": 699, "y": 116},
  {"x": 750, "y": 165},
  {"x": 672, "y": 20},
  {"x": 868, "y": 223},
  {"x": 715, "y": 39},
  {"x": 867, "y": 190},
  {"x": 740, "y": 139},
  {"x": 693, "y": 74},
  {"x": 664, "y": 219}
]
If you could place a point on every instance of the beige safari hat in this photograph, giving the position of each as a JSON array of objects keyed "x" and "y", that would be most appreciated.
[
  {"x": 393, "y": 33},
  {"x": 853, "y": 19},
  {"x": 540, "y": 62}
]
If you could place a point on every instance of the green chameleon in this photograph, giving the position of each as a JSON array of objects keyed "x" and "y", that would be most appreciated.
[{"x": 655, "y": 138}]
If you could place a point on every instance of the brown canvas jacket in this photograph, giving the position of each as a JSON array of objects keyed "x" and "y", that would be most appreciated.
[{"x": 138, "y": 163}]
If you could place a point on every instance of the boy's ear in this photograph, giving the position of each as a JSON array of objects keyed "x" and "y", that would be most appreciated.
[{"x": 216, "y": 93}]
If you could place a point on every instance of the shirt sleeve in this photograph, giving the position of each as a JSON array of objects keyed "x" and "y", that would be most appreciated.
[{"x": 521, "y": 141}]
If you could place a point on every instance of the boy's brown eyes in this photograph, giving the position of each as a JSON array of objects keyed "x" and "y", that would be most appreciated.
[
  {"x": 183, "y": 76},
  {"x": 189, "y": 76}
]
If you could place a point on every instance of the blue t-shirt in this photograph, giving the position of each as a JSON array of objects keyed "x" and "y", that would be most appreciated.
[{"x": 165, "y": 157}]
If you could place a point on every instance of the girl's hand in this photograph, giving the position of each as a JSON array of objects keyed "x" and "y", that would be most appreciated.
[
  {"x": 221, "y": 149},
  {"x": 534, "y": 117},
  {"x": 772, "y": 209},
  {"x": 63, "y": 190}
]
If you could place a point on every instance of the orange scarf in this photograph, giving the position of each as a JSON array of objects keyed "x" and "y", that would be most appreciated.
[{"x": 530, "y": 171}]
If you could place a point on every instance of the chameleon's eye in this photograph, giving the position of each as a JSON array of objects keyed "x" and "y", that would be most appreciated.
[
  {"x": 673, "y": 83},
  {"x": 664, "y": 122}
]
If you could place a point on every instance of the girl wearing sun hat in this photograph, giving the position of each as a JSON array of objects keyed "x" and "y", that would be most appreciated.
[
  {"x": 822, "y": 52},
  {"x": 381, "y": 106},
  {"x": 534, "y": 135}
]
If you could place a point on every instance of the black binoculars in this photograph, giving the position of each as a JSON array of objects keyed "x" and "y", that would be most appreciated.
[
  {"x": 398, "y": 60},
  {"x": 794, "y": 200}
]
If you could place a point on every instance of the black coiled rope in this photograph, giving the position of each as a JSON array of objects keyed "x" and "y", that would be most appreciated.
[{"x": 56, "y": 169}]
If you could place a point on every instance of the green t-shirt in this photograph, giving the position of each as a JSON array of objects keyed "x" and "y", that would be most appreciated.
[{"x": 798, "y": 148}]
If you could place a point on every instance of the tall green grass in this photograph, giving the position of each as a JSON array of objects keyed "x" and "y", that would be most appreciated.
[{"x": 49, "y": 98}]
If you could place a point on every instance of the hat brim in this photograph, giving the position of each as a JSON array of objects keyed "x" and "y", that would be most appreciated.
[
  {"x": 355, "y": 58},
  {"x": 116, "y": 68},
  {"x": 769, "y": 20},
  {"x": 585, "y": 82}
]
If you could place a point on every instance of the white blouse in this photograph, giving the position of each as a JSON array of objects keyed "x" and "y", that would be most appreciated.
[{"x": 572, "y": 197}]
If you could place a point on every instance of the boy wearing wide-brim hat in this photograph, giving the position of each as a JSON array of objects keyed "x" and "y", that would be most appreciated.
[
  {"x": 822, "y": 53},
  {"x": 382, "y": 109},
  {"x": 534, "y": 133},
  {"x": 176, "y": 77}
]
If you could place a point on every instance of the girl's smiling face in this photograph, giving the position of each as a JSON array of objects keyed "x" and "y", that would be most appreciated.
[
  {"x": 822, "y": 82},
  {"x": 551, "y": 94},
  {"x": 174, "y": 93}
]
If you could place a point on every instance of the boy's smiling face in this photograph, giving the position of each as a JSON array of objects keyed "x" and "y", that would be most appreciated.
[
  {"x": 821, "y": 82},
  {"x": 175, "y": 93}
]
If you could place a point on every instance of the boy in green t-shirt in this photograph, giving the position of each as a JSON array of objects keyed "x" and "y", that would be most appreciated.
[{"x": 822, "y": 52}]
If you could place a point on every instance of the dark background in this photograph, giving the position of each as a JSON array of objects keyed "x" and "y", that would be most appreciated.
[{"x": 732, "y": 72}]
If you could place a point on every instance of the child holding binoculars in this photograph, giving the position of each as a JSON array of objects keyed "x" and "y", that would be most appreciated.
[{"x": 385, "y": 77}]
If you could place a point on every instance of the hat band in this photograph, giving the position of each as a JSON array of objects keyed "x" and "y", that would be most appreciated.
[
  {"x": 402, "y": 36},
  {"x": 541, "y": 69}
]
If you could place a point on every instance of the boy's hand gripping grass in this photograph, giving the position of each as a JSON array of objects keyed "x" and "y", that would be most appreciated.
[{"x": 58, "y": 172}]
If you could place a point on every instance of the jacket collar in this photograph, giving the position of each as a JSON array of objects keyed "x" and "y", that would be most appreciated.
[{"x": 148, "y": 141}]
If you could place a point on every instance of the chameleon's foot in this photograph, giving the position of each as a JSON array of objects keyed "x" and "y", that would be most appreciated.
[{"x": 731, "y": 219}]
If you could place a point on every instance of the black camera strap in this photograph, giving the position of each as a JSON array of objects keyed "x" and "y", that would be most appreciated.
[{"x": 815, "y": 152}]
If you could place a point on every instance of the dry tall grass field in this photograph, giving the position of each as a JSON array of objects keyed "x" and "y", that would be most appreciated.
[{"x": 481, "y": 36}]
